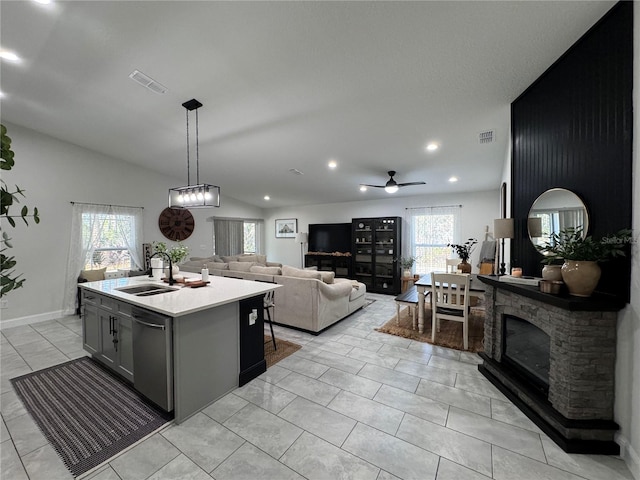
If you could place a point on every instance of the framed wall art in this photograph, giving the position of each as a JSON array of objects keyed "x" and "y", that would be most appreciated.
[{"x": 286, "y": 228}]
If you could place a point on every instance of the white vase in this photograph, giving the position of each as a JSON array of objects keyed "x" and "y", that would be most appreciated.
[
  {"x": 552, "y": 272},
  {"x": 406, "y": 272},
  {"x": 581, "y": 277},
  {"x": 175, "y": 270}
]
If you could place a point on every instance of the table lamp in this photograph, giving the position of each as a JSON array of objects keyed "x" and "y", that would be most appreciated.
[{"x": 502, "y": 228}]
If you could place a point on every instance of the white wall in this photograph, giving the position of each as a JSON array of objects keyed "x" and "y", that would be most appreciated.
[
  {"x": 627, "y": 399},
  {"x": 54, "y": 173},
  {"x": 478, "y": 210}
]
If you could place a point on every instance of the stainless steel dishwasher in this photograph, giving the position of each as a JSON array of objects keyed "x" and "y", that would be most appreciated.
[{"x": 153, "y": 357}]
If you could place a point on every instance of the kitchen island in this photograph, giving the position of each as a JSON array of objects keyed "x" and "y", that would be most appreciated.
[{"x": 183, "y": 348}]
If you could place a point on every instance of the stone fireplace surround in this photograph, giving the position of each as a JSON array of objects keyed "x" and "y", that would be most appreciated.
[{"x": 578, "y": 411}]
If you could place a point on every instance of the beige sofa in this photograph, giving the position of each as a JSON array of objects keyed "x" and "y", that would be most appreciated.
[
  {"x": 217, "y": 262},
  {"x": 308, "y": 300}
]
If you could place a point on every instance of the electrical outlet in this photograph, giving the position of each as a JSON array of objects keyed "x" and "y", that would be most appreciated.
[
  {"x": 253, "y": 316},
  {"x": 4, "y": 303}
]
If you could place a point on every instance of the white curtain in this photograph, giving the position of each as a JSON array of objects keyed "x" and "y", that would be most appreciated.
[
  {"x": 86, "y": 226},
  {"x": 430, "y": 229},
  {"x": 571, "y": 218},
  {"x": 228, "y": 236}
]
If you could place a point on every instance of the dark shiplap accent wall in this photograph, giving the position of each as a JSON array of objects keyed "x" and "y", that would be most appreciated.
[{"x": 572, "y": 129}]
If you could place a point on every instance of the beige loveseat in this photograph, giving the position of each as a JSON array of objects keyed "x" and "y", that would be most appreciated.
[{"x": 308, "y": 300}]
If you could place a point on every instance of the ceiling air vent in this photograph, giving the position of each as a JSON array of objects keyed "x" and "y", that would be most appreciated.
[
  {"x": 147, "y": 82},
  {"x": 488, "y": 136},
  {"x": 295, "y": 171}
]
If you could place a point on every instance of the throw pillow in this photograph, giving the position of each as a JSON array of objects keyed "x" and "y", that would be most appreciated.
[
  {"x": 266, "y": 270},
  {"x": 217, "y": 266},
  {"x": 93, "y": 275},
  {"x": 248, "y": 258},
  {"x": 262, "y": 259},
  {"x": 229, "y": 258},
  {"x": 328, "y": 277},
  {"x": 202, "y": 259},
  {"x": 288, "y": 271},
  {"x": 241, "y": 266}
]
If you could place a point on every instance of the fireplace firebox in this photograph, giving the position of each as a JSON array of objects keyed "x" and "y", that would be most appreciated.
[{"x": 525, "y": 348}]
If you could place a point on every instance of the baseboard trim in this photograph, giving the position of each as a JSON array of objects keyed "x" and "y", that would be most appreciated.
[
  {"x": 629, "y": 455},
  {"x": 41, "y": 317}
]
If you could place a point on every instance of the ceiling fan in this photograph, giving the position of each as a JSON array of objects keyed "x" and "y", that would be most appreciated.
[{"x": 392, "y": 186}]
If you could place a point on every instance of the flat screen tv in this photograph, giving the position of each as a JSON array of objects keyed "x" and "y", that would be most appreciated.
[{"x": 330, "y": 237}]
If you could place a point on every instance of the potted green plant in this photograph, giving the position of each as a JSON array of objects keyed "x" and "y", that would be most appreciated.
[
  {"x": 581, "y": 254},
  {"x": 407, "y": 264},
  {"x": 9, "y": 200},
  {"x": 464, "y": 251},
  {"x": 178, "y": 253}
]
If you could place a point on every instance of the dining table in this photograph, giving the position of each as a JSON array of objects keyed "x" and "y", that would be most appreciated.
[{"x": 423, "y": 286}]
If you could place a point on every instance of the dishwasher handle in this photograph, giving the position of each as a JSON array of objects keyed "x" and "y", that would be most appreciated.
[{"x": 147, "y": 324}]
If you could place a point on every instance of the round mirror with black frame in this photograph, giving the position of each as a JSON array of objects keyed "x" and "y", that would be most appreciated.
[{"x": 555, "y": 210}]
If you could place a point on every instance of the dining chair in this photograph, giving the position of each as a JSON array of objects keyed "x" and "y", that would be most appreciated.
[
  {"x": 450, "y": 301},
  {"x": 452, "y": 265},
  {"x": 268, "y": 304}
]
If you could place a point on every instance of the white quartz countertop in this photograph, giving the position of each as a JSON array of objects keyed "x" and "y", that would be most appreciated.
[{"x": 184, "y": 300}]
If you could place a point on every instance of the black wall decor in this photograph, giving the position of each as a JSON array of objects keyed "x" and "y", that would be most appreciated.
[{"x": 572, "y": 128}]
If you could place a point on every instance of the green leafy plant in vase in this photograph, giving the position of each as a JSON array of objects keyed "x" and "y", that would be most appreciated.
[
  {"x": 580, "y": 255},
  {"x": 178, "y": 253},
  {"x": 407, "y": 264}
]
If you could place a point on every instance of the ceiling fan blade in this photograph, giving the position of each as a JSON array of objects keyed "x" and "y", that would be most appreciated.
[
  {"x": 411, "y": 183},
  {"x": 374, "y": 186}
]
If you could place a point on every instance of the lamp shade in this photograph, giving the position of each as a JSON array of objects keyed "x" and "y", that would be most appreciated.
[
  {"x": 301, "y": 237},
  {"x": 535, "y": 227},
  {"x": 503, "y": 228}
]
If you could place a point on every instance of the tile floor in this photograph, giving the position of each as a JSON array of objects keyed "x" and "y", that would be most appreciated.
[{"x": 352, "y": 403}]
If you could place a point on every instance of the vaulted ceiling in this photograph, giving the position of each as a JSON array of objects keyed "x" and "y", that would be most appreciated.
[{"x": 288, "y": 85}]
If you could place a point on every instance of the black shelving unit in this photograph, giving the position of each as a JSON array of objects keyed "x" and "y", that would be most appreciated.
[{"x": 376, "y": 248}]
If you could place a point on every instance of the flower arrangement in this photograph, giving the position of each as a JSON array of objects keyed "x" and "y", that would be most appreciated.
[
  {"x": 465, "y": 249},
  {"x": 177, "y": 253},
  {"x": 572, "y": 244}
]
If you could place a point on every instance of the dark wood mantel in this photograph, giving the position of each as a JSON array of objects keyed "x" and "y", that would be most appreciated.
[{"x": 598, "y": 302}]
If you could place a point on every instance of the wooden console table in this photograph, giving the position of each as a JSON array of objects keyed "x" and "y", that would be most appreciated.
[{"x": 340, "y": 264}]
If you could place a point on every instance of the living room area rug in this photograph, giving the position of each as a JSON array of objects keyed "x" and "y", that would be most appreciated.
[
  {"x": 450, "y": 334},
  {"x": 285, "y": 348},
  {"x": 86, "y": 413}
]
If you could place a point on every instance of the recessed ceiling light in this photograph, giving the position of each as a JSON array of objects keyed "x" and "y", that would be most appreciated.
[
  {"x": 332, "y": 164},
  {"x": 432, "y": 147},
  {"x": 453, "y": 179},
  {"x": 1, "y": 94},
  {"x": 9, "y": 56},
  {"x": 43, "y": 2},
  {"x": 363, "y": 188},
  {"x": 267, "y": 197}
]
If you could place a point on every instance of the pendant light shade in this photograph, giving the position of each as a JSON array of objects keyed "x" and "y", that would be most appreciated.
[{"x": 198, "y": 195}]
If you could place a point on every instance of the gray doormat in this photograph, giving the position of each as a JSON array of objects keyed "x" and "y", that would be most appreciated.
[{"x": 85, "y": 412}]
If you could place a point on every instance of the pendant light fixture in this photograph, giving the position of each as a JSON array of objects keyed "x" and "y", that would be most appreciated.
[{"x": 201, "y": 194}]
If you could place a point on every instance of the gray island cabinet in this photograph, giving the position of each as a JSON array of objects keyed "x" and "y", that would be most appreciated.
[{"x": 182, "y": 349}]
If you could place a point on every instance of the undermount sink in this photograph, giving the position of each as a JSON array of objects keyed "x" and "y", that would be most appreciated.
[{"x": 146, "y": 290}]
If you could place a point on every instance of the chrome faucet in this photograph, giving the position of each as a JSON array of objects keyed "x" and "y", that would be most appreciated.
[{"x": 165, "y": 255}]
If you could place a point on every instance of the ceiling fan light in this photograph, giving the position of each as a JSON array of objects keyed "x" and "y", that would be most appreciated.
[{"x": 391, "y": 188}]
